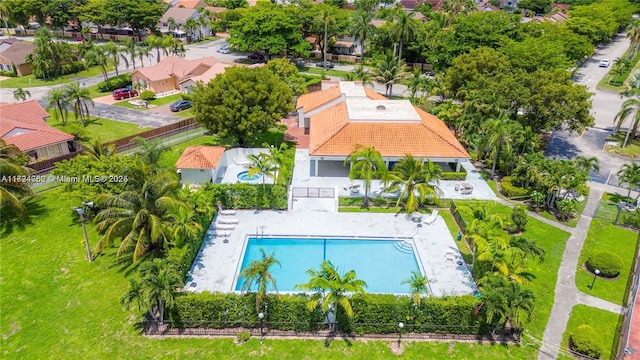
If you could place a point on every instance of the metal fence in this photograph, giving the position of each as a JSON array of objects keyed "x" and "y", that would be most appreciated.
[
  {"x": 322, "y": 330},
  {"x": 313, "y": 192}
]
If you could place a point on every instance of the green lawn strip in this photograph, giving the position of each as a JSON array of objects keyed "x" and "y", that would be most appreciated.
[
  {"x": 31, "y": 81},
  {"x": 185, "y": 113},
  {"x": 606, "y": 236},
  {"x": 632, "y": 149},
  {"x": 604, "y": 82},
  {"x": 57, "y": 304},
  {"x": 319, "y": 71},
  {"x": 94, "y": 92},
  {"x": 152, "y": 103},
  {"x": 463, "y": 246},
  {"x": 606, "y": 323},
  {"x": 106, "y": 130},
  {"x": 608, "y": 208}
]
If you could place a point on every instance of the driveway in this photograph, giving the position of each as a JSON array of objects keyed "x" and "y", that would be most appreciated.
[{"x": 605, "y": 106}]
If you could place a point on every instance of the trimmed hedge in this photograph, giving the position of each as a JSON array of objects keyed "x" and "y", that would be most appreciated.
[
  {"x": 452, "y": 175},
  {"x": 607, "y": 262},
  {"x": 373, "y": 313},
  {"x": 116, "y": 82},
  {"x": 586, "y": 340},
  {"x": 511, "y": 191},
  {"x": 147, "y": 95},
  {"x": 248, "y": 196}
]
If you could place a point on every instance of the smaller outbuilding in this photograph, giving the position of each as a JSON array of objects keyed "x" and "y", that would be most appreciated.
[{"x": 199, "y": 164}]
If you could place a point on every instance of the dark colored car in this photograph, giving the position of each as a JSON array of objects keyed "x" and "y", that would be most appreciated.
[
  {"x": 326, "y": 65},
  {"x": 431, "y": 73},
  {"x": 181, "y": 105},
  {"x": 257, "y": 56},
  {"x": 120, "y": 94}
]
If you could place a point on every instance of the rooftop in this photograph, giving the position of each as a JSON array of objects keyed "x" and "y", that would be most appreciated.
[
  {"x": 367, "y": 110},
  {"x": 200, "y": 157},
  {"x": 23, "y": 125}
]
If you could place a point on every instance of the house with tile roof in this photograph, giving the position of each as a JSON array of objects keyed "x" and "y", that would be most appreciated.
[
  {"x": 167, "y": 75},
  {"x": 24, "y": 125},
  {"x": 180, "y": 15},
  {"x": 198, "y": 164},
  {"x": 14, "y": 58},
  {"x": 190, "y": 82},
  {"x": 347, "y": 114}
]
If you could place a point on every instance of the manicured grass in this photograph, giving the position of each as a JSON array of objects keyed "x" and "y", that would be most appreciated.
[
  {"x": 104, "y": 129},
  {"x": 632, "y": 149},
  {"x": 31, "y": 81},
  {"x": 606, "y": 236},
  {"x": 55, "y": 304},
  {"x": 319, "y": 71},
  {"x": 152, "y": 103},
  {"x": 463, "y": 246},
  {"x": 185, "y": 113},
  {"x": 94, "y": 92},
  {"x": 608, "y": 208},
  {"x": 605, "y": 322}
]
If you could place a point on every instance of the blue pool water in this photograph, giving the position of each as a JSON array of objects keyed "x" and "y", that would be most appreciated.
[
  {"x": 244, "y": 176},
  {"x": 378, "y": 262}
]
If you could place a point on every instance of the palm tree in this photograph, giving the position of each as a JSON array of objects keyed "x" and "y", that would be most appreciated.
[
  {"x": 506, "y": 301},
  {"x": 418, "y": 284},
  {"x": 135, "y": 294},
  {"x": 586, "y": 164},
  {"x": 172, "y": 24},
  {"x": 58, "y": 100},
  {"x": 629, "y": 108},
  {"x": 332, "y": 289},
  {"x": 360, "y": 73},
  {"x": 137, "y": 214},
  {"x": 12, "y": 190},
  {"x": 79, "y": 98},
  {"x": 98, "y": 56},
  {"x": 365, "y": 163},
  {"x": 190, "y": 26},
  {"x": 97, "y": 150},
  {"x": 113, "y": 52},
  {"x": 144, "y": 51},
  {"x": 21, "y": 94},
  {"x": 279, "y": 158},
  {"x": 633, "y": 33},
  {"x": 389, "y": 70},
  {"x": 404, "y": 27},
  {"x": 183, "y": 225},
  {"x": 130, "y": 48},
  {"x": 262, "y": 164},
  {"x": 410, "y": 176},
  {"x": 257, "y": 272},
  {"x": 159, "y": 282},
  {"x": 630, "y": 174},
  {"x": 151, "y": 150},
  {"x": 498, "y": 136},
  {"x": 362, "y": 29},
  {"x": 155, "y": 42},
  {"x": 5, "y": 14},
  {"x": 326, "y": 16},
  {"x": 416, "y": 81}
]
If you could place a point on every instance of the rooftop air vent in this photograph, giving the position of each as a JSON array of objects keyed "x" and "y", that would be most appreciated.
[{"x": 381, "y": 108}]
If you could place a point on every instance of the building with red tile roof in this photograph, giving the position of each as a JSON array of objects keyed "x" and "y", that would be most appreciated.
[
  {"x": 23, "y": 125},
  {"x": 14, "y": 58},
  {"x": 198, "y": 164},
  {"x": 347, "y": 114},
  {"x": 166, "y": 75}
]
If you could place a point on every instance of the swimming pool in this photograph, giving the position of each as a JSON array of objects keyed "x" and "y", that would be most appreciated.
[
  {"x": 244, "y": 176},
  {"x": 383, "y": 264}
]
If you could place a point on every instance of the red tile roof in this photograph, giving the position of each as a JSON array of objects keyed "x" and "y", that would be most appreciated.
[
  {"x": 312, "y": 100},
  {"x": 23, "y": 125},
  {"x": 200, "y": 157},
  {"x": 174, "y": 66}
]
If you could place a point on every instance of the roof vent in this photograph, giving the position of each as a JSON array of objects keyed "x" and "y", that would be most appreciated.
[{"x": 381, "y": 108}]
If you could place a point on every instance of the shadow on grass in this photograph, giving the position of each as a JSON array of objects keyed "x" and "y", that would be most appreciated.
[{"x": 10, "y": 222}]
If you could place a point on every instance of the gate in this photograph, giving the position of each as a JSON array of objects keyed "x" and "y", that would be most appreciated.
[{"x": 313, "y": 192}]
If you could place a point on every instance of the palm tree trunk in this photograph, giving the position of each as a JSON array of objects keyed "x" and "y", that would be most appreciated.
[
  {"x": 400, "y": 51},
  {"x": 495, "y": 161},
  {"x": 626, "y": 138},
  {"x": 324, "y": 57}
]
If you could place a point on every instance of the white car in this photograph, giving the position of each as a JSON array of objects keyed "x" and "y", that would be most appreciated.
[
  {"x": 604, "y": 63},
  {"x": 224, "y": 50}
]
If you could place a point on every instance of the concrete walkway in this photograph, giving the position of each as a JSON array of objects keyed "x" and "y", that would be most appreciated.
[{"x": 566, "y": 293}]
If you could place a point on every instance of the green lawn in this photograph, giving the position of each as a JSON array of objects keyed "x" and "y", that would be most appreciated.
[
  {"x": 106, "y": 130},
  {"x": 94, "y": 92},
  {"x": 606, "y": 236},
  {"x": 632, "y": 149},
  {"x": 153, "y": 103},
  {"x": 605, "y": 322},
  {"x": 31, "y": 81},
  {"x": 319, "y": 71},
  {"x": 55, "y": 304}
]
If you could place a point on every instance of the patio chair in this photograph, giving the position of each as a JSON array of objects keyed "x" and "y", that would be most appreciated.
[
  {"x": 225, "y": 227},
  {"x": 227, "y": 212},
  {"x": 449, "y": 256},
  {"x": 432, "y": 218},
  {"x": 242, "y": 162},
  {"x": 223, "y": 233},
  {"x": 229, "y": 221}
]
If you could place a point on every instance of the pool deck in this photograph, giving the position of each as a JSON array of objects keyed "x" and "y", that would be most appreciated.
[{"x": 217, "y": 263}]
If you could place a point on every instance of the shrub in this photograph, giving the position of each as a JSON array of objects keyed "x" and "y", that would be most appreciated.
[
  {"x": 147, "y": 95},
  {"x": 71, "y": 67},
  {"x": 519, "y": 218},
  {"x": 512, "y": 191},
  {"x": 7, "y": 73},
  {"x": 567, "y": 209},
  {"x": 607, "y": 262},
  {"x": 537, "y": 199},
  {"x": 452, "y": 175},
  {"x": 586, "y": 340},
  {"x": 247, "y": 196},
  {"x": 243, "y": 336},
  {"x": 116, "y": 82},
  {"x": 186, "y": 96}
]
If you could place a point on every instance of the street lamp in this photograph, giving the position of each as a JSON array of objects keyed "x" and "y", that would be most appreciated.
[
  {"x": 595, "y": 274},
  {"x": 261, "y": 317},
  {"x": 80, "y": 211},
  {"x": 400, "y": 326}
]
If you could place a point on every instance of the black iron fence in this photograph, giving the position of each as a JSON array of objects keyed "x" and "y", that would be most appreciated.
[{"x": 323, "y": 330}]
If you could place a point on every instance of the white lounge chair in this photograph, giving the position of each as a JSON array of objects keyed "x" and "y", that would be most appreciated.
[
  {"x": 432, "y": 218},
  {"x": 227, "y": 212},
  {"x": 229, "y": 221},
  {"x": 223, "y": 233},
  {"x": 242, "y": 162},
  {"x": 225, "y": 227},
  {"x": 449, "y": 256}
]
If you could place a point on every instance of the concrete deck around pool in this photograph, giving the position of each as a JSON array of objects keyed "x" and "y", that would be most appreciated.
[{"x": 217, "y": 263}]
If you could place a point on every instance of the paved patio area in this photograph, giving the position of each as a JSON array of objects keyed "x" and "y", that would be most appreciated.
[{"x": 218, "y": 264}]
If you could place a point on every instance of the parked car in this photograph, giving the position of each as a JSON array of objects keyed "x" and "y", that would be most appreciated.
[
  {"x": 124, "y": 93},
  {"x": 604, "y": 63},
  {"x": 431, "y": 73},
  {"x": 224, "y": 50},
  {"x": 257, "y": 56},
  {"x": 181, "y": 105},
  {"x": 326, "y": 65}
]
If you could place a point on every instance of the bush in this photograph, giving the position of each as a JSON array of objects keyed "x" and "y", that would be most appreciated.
[
  {"x": 71, "y": 67},
  {"x": 567, "y": 209},
  {"x": 243, "y": 336},
  {"x": 607, "y": 262},
  {"x": 147, "y": 95},
  {"x": 586, "y": 340},
  {"x": 519, "y": 218},
  {"x": 7, "y": 73},
  {"x": 511, "y": 191},
  {"x": 116, "y": 82},
  {"x": 452, "y": 175},
  {"x": 186, "y": 96}
]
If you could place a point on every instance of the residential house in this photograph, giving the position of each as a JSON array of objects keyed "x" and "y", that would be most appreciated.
[
  {"x": 508, "y": 5},
  {"x": 198, "y": 164},
  {"x": 6, "y": 43},
  {"x": 189, "y": 82},
  {"x": 346, "y": 114},
  {"x": 167, "y": 75},
  {"x": 24, "y": 125},
  {"x": 486, "y": 6},
  {"x": 180, "y": 16},
  {"x": 191, "y": 4},
  {"x": 14, "y": 58}
]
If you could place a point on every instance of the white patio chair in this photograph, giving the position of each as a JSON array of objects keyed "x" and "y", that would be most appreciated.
[
  {"x": 432, "y": 218},
  {"x": 227, "y": 212},
  {"x": 229, "y": 221}
]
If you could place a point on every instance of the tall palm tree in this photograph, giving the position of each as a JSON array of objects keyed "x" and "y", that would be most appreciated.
[
  {"x": 630, "y": 174},
  {"x": 98, "y": 56},
  {"x": 97, "y": 150},
  {"x": 172, "y": 24},
  {"x": 12, "y": 190},
  {"x": 58, "y": 100},
  {"x": 326, "y": 16},
  {"x": 586, "y": 164},
  {"x": 155, "y": 42},
  {"x": 633, "y": 33},
  {"x": 389, "y": 70},
  {"x": 114, "y": 53},
  {"x": 360, "y": 73},
  {"x": 143, "y": 52},
  {"x": 331, "y": 289},
  {"x": 404, "y": 28},
  {"x": 183, "y": 225},
  {"x": 365, "y": 163},
  {"x": 137, "y": 215},
  {"x": 410, "y": 176},
  {"x": 5, "y": 14},
  {"x": 279, "y": 158},
  {"x": 190, "y": 27},
  {"x": 159, "y": 282},
  {"x": 257, "y": 273},
  {"x": 130, "y": 48},
  {"x": 262, "y": 164},
  {"x": 629, "y": 108},
  {"x": 21, "y": 94},
  {"x": 498, "y": 136},
  {"x": 362, "y": 29},
  {"x": 80, "y": 99},
  {"x": 418, "y": 285}
]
